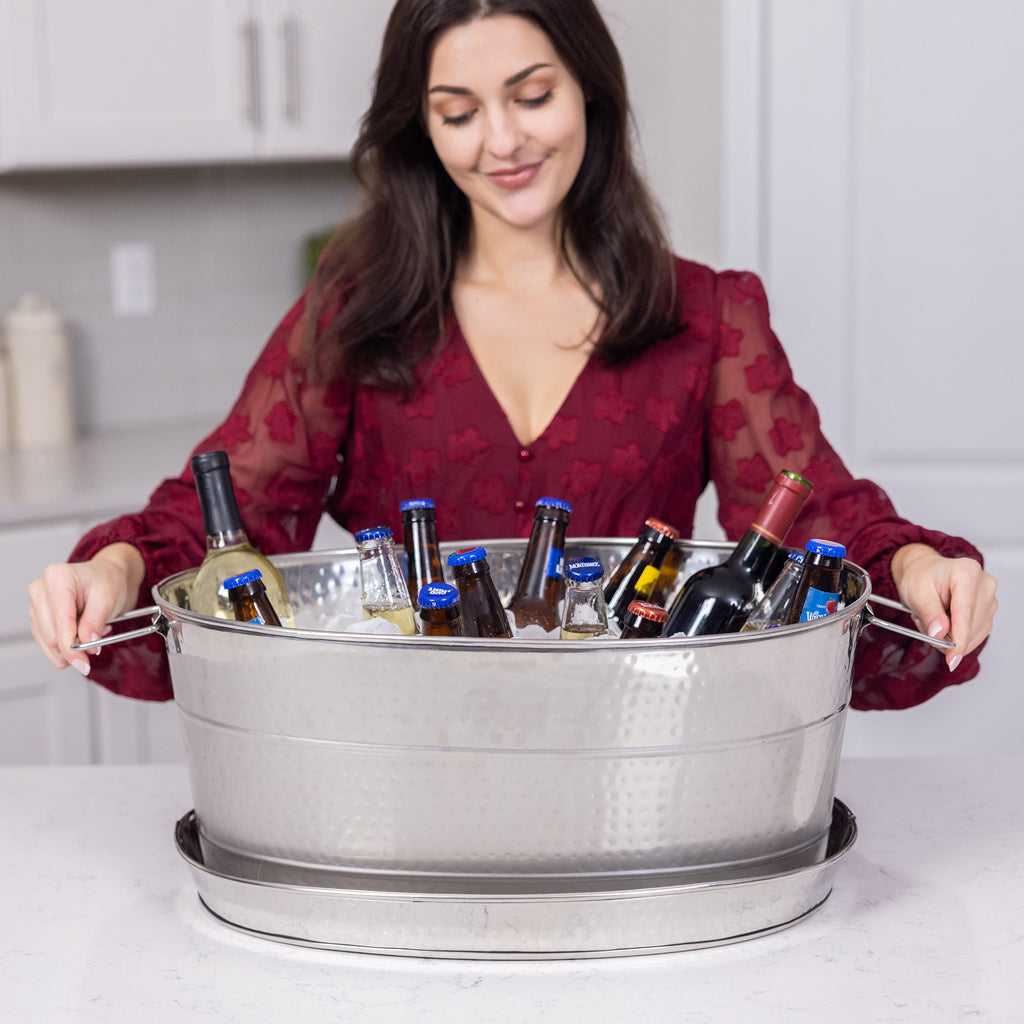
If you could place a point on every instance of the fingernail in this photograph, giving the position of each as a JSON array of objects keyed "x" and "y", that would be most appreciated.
[
  {"x": 80, "y": 666},
  {"x": 954, "y": 663},
  {"x": 936, "y": 629}
]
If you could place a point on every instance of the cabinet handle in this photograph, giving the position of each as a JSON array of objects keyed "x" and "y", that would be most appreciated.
[
  {"x": 251, "y": 70},
  {"x": 290, "y": 54}
]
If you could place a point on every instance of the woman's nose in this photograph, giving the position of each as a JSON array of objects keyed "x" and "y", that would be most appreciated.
[{"x": 503, "y": 134}]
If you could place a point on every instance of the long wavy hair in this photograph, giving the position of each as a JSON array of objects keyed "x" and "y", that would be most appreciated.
[{"x": 382, "y": 289}]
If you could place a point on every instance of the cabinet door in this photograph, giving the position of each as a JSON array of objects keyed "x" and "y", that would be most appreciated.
[
  {"x": 44, "y": 714},
  {"x": 123, "y": 82},
  {"x": 317, "y": 61}
]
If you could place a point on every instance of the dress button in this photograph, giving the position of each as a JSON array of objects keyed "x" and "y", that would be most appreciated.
[
  {"x": 520, "y": 505},
  {"x": 525, "y": 455}
]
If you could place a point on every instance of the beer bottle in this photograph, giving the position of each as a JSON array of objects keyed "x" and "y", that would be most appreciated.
[
  {"x": 385, "y": 594},
  {"x": 820, "y": 583},
  {"x": 643, "y": 621},
  {"x": 718, "y": 599},
  {"x": 482, "y": 614},
  {"x": 228, "y": 548},
  {"x": 248, "y": 597},
  {"x": 775, "y": 607},
  {"x": 419, "y": 535},
  {"x": 639, "y": 570},
  {"x": 584, "y": 614},
  {"x": 440, "y": 614},
  {"x": 535, "y": 598}
]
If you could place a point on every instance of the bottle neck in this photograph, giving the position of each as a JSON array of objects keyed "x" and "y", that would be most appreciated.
[{"x": 221, "y": 518}]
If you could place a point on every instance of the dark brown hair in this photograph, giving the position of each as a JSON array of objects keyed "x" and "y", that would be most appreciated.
[{"x": 393, "y": 264}]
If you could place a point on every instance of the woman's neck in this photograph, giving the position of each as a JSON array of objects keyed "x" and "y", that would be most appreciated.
[{"x": 512, "y": 258}]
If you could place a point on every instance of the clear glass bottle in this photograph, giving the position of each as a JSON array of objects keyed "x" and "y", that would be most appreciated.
[
  {"x": 228, "y": 549},
  {"x": 584, "y": 613},
  {"x": 643, "y": 621},
  {"x": 439, "y": 610},
  {"x": 482, "y": 613},
  {"x": 719, "y": 599},
  {"x": 775, "y": 607},
  {"x": 385, "y": 594},
  {"x": 535, "y": 598},
  {"x": 821, "y": 583},
  {"x": 422, "y": 553},
  {"x": 249, "y": 599},
  {"x": 638, "y": 572}
]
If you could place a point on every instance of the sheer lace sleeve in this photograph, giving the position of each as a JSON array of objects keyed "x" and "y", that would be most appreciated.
[
  {"x": 759, "y": 422},
  {"x": 282, "y": 437}
]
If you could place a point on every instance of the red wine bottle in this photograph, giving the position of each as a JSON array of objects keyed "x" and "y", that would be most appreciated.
[{"x": 719, "y": 599}]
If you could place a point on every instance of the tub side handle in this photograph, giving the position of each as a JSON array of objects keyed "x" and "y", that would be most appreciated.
[
  {"x": 871, "y": 619},
  {"x": 157, "y": 625}
]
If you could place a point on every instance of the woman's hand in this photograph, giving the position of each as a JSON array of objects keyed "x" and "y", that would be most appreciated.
[
  {"x": 78, "y": 599},
  {"x": 952, "y": 596}
]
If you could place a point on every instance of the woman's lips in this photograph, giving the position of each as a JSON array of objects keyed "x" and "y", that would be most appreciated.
[{"x": 515, "y": 177}]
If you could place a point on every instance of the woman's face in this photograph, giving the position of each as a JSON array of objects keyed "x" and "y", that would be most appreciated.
[{"x": 507, "y": 119}]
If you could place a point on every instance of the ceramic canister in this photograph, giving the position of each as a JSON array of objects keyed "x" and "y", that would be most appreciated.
[{"x": 41, "y": 413}]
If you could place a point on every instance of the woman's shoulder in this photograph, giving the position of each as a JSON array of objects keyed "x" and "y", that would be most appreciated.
[{"x": 701, "y": 287}]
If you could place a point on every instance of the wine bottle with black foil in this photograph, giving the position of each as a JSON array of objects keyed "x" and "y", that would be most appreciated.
[
  {"x": 249, "y": 599},
  {"x": 228, "y": 549},
  {"x": 719, "y": 599},
  {"x": 482, "y": 614},
  {"x": 419, "y": 537},
  {"x": 640, "y": 570},
  {"x": 534, "y": 601}
]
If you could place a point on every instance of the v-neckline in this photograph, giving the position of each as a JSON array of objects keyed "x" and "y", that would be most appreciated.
[{"x": 458, "y": 334}]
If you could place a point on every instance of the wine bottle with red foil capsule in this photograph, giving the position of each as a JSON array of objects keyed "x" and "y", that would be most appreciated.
[
  {"x": 482, "y": 613},
  {"x": 534, "y": 601},
  {"x": 719, "y": 599},
  {"x": 639, "y": 571},
  {"x": 643, "y": 621},
  {"x": 422, "y": 554}
]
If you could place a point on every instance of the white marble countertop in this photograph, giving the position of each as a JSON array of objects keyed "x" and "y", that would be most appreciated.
[
  {"x": 95, "y": 476},
  {"x": 926, "y": 923}
]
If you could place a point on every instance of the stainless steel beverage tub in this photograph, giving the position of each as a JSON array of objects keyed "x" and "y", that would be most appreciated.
[{"x": 464, "y": 767}]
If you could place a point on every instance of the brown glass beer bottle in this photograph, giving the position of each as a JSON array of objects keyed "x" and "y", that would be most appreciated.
[
  {"x": 440, "y": 614},
  {"x": 643, "y": 621},
  {"x": 638, "y": 572},
  {"x": 248, "y": 597},
  {"x": 535, "y": 599},
  {"x": 482, "y": 614},
  {"x": 419, "y": 536}
]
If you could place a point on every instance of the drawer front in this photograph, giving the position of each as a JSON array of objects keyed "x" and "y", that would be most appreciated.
[{"x": 24, "y": 552}]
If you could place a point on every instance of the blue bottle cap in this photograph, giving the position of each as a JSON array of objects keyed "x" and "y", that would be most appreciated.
[
  {"x": 242, "y": 579},
  {"x": 584, "y": 570},
  {"x": 826, "y": 547},
  {"x": 796, "y": 556},
  {"x": 466, "y": 556},
  {"x": 374, "y": 533},
  {"x": 437, "y": 595},
  {"x": 413, "y": 503},
  {"x": 554, "y": 503}
]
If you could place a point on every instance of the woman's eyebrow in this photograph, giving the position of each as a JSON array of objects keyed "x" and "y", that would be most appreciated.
[{"x": 519, "y": 76}]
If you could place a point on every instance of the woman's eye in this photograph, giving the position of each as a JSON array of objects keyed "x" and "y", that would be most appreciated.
[
  {"x": 537, "y": 101},
  {"x": 456, "y": 119}
]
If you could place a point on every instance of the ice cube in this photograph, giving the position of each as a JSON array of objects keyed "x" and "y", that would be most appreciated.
[{"x": 375, "y": 625}]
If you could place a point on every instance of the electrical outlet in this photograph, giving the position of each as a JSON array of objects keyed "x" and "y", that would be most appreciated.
[{"x": 133, "y": 279}]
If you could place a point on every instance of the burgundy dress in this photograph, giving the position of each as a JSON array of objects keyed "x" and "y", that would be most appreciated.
[{"x": 716, "y": 403}]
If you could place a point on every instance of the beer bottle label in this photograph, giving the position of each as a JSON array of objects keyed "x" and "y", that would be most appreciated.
[
  {"x": 818, "y": 604},
  {"x": 554, "y": 566},
  {"x": 645, "y": 583}
]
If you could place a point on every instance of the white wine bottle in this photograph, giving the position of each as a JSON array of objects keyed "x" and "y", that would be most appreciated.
[{"x": 228, "y": 549}]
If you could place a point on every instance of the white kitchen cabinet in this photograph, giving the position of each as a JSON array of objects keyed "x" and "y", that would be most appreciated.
[{"x": 123, "y": 83}]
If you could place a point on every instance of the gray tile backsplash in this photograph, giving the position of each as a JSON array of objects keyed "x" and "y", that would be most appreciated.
[{"x": 227, "y": 244}]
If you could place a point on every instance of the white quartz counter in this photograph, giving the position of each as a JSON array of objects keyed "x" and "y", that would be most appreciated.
[
  {"x": 103, "y": 474},
  {"x": 926, "y": 923}
]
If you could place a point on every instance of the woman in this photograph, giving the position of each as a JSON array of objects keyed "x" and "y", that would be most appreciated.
[{"x": 504, "y": 320}]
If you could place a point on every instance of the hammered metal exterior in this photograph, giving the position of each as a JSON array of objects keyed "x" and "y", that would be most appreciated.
[{"x": 513, "y": 757}]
